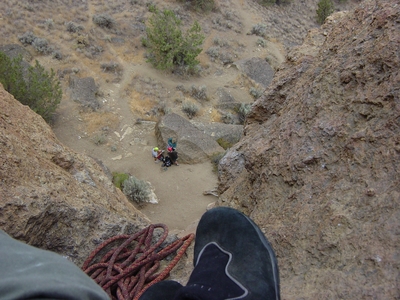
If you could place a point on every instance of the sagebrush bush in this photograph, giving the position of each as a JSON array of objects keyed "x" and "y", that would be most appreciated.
[
  {"x": 190, "y": 109},
  {"x": 199, "y": 93},
  {"x": 259, "y": 30},
  {"x": 256, "y": 93},
  {"x": 215, "y": 159},
  {"x": 49, "y": 23},
  {"x": 213, "y": 52},
  {"x": 136, "y": 190},
  {"x": 27, "y": 38},
  {"x": 200, "y": 5},
  {"x": 262, "y": 43},
  {"x": 41, "y": 45},
  {"x": 243, "y": 111},
  {"x": 104, "y": 21},
  {"x": 72, "y": 27},
  {"x": 112, "y": 67}
]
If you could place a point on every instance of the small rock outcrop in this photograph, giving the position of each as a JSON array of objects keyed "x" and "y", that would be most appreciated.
[
  {"x": 318, "y": 167},
  {"x": 52, "y": 197},
  {"x": 83, "y": 91},
  {"x": 257, "y": 69},
  {"x": 194, "y": 146}
]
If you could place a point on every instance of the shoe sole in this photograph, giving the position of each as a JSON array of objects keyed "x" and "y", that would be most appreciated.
[{"x": 219, "y": 225}]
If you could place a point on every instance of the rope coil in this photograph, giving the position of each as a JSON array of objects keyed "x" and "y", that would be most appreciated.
[{"x": 126, "y": 271}]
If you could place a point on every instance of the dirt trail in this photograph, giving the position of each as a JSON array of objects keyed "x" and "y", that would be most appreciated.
[{"x": 128, "y": 144}]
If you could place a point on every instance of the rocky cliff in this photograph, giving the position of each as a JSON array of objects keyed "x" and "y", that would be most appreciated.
[
  {"x": 318, "y": 166},
  {"x": 52, "y": 197}
]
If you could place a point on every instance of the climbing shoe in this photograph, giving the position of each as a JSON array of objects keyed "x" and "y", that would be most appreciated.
[
  {"x": 232, "y": 260},
  {"x": 164, "y": 290}
]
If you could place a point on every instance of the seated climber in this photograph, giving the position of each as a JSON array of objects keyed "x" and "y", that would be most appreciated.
[
  {"x": 157, "y": 154},
  {"x": 173, "y": 155}
]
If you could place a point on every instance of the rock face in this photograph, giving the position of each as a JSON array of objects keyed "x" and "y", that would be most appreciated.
[
  {"x": 257, "y": 69},
  {"x": 52, "y": 197},
  {"x": 318, "y": 166},
  {"x": 83, "y": 91},
  {"x": 193, "y": 146}
]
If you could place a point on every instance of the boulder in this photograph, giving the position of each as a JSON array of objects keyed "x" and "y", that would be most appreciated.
[
  {"x": 15, "y": 50},
  {"x": 228, "y": 132},
  {"x": 257, "y": 69},
  {"x": 193, "y": 146},
  {"x": 52, "y": 197},
  {"x": 83, "y": 91}
]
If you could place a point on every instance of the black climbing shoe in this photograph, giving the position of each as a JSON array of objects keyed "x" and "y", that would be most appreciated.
[
  {"x": 232, "y": 259},
  {"x": 164, "y": 290}
]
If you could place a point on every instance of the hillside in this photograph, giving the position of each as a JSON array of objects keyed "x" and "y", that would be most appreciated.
[
  {"x": 127, "y": 90},
  {"x": 317, "y": 167}
]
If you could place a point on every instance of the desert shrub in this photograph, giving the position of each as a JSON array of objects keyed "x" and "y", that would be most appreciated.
[
  {"x": 27, "y": 38},
  {"x": 49, "y": 23},
  {"x": 243, "y": 111},
  {"x": 72, "y": 27},
  {"x": 226, "y": 58},
  {"x": 35, "y": 87},
  {"x": 169, "y": 47},
  {"x": 119, "y": 178},
  {"x": 213, "y": 52},
  {"x": 200, "y": 5},
  {"x": 259, "y": 30},
  {"x": 215, "y": 159},
  {"x": 99, "y": 139},
  {"x": 262, "y": 43},
  {"x": 57, "y": 55},
  {"x": 325, "y": 8},
  {"x": 104, "y": 21},
  {"x": 224, "y": 143},
  {"x": 270, "y": 2},
  {"x": 41, "y": 45},
  {"x": 190, "y": 109},
  {"x": 256, "y": 93},
  {"x": 136, "y": 190},
  {"x": 199, "y": 93},
  {"x": 112, "y": 67},
  {"x": 227, "y": 118},
  {"x": 220, "y": 42}
]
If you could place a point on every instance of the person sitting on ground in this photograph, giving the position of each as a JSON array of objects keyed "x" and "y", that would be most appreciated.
[
  {"x": 232, "y": 260},
  {"x": 173, "y": 155},
  {"x": 157, "y": 154}
]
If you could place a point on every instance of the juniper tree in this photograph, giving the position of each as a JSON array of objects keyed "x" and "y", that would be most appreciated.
[{"x": 169, "y": 47}]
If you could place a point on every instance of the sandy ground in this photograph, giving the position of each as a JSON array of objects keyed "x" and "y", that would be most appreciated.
[{"x": 180, "y": 188}]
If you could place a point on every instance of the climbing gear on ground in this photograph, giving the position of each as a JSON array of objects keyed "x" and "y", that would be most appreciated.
[{"x": 130, "y": 262}]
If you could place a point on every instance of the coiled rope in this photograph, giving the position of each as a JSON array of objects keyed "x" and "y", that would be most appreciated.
[{"x": 126, "y": 271}]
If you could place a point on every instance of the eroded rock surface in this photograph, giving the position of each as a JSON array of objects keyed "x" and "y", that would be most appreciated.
[
  {"x": 318, "y": 166},
  {"x": 193, "y": 146},
  {"x": 52, "y": 197}
]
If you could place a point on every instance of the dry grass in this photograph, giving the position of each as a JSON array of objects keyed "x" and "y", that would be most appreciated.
[
  {"x": 96, "y": 121},
  {"x": 143, "y": 106}
]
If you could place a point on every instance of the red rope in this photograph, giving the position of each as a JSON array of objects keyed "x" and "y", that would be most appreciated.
[{"x": 128, "y": 269}]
